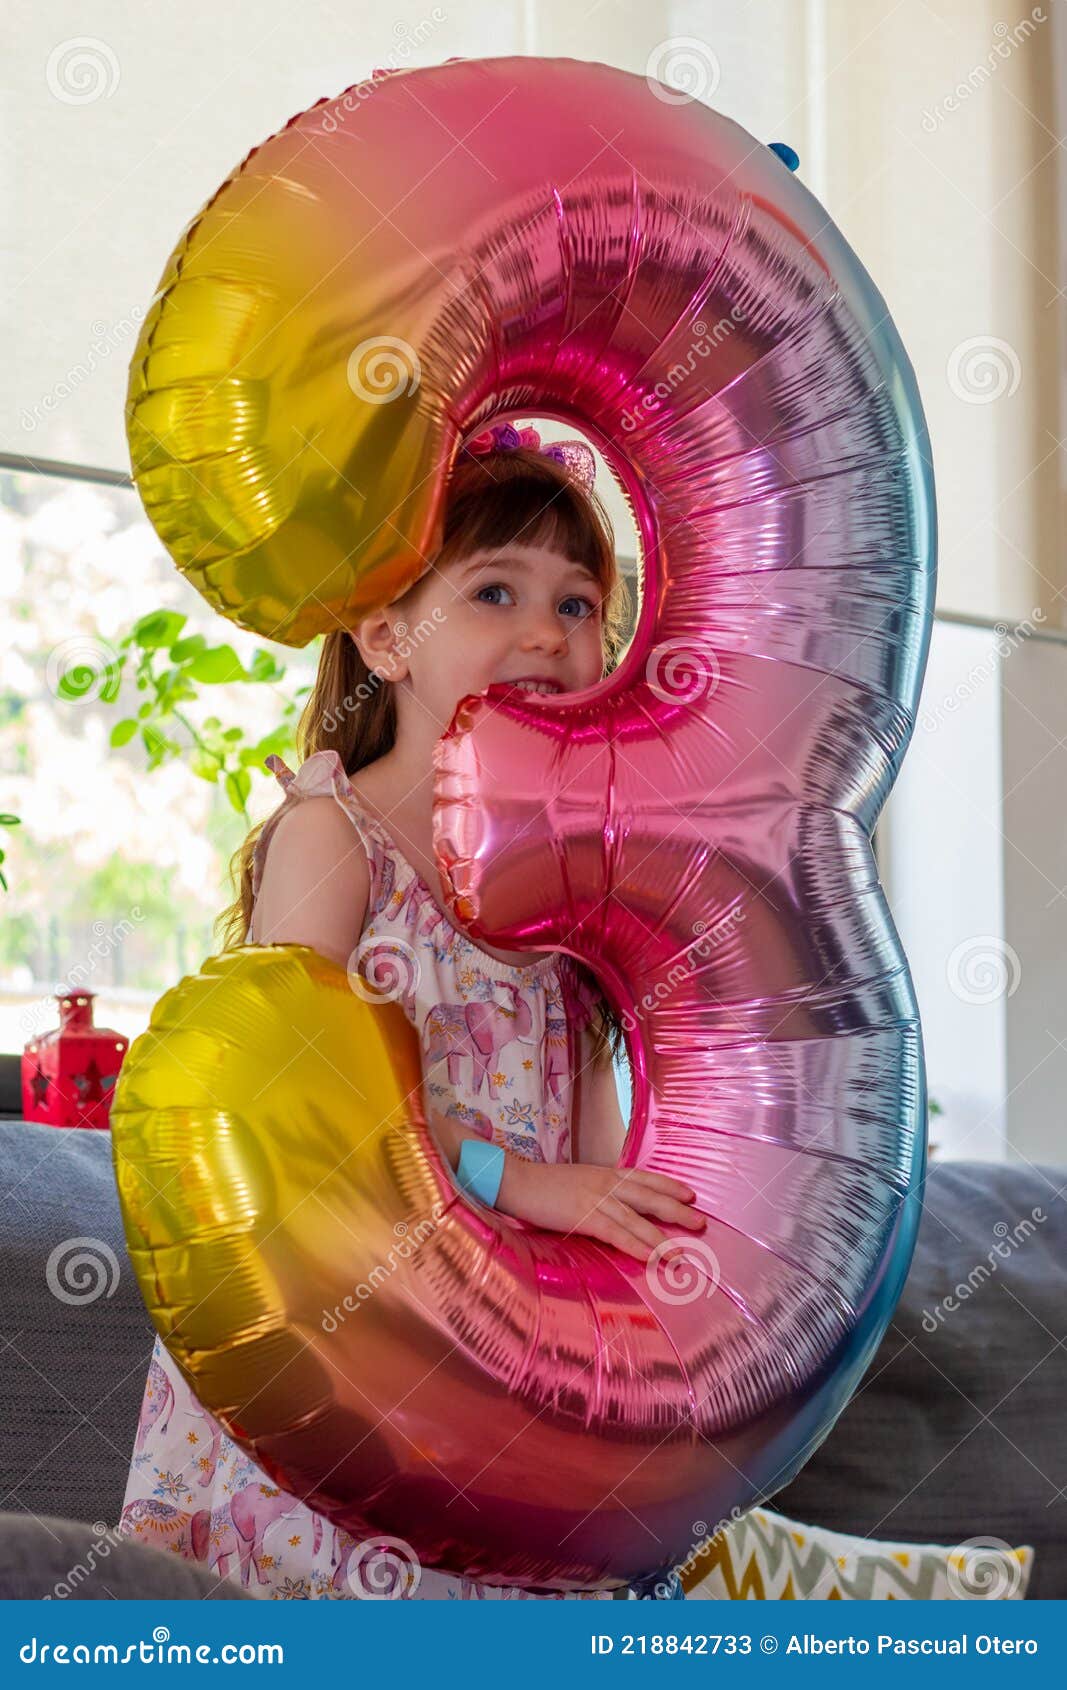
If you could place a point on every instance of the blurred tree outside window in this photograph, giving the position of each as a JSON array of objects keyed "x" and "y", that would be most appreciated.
[{"x": 129, "y": 799}]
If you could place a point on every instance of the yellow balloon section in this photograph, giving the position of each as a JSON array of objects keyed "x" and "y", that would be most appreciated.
[{"x": 269, "y": 1137}]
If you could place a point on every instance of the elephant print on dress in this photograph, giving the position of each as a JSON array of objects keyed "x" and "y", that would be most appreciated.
[
  {"x": 160, "y": 1525},
  {"x": 158, "y": 1401},
  {"x": 386, "y": 884},
  {"x": 418, "y": 901},
  {"x": 345, "y": 1543},
  {"x": 555, "y": 1050},
  {"x": 215, "y": 1539},
  {"x": 253, "y": 1510},
  {"x": 215, "y": 1542},
  {"x": 207, "y": 1463},
  {"x": 477, "y": 1030}
]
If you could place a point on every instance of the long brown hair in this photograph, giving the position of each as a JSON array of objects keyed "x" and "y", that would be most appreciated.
[{"x": 497, "y": 499}]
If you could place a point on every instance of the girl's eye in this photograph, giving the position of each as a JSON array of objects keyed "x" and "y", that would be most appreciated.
[{"x": 588, "y": 607}]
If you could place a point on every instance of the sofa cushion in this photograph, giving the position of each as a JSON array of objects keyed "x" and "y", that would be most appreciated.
[
  {"x": 43, "y": 1559},
  {"x": 957, "y": 1431},
  {"x": 765, "y": 1557},
  {"x": 74, "y": 1332}
]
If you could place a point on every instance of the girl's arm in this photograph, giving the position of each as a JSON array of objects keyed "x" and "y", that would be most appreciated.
[
  {"x": 449, "y": 1135},
  {"x": 598, "y": 1130},
  {"x": 600, "y": 1202}
]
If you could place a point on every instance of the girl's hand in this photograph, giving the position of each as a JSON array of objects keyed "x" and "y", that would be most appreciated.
[{"x": 606, "y": 1203}]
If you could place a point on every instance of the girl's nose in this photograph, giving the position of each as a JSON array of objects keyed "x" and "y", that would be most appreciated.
[{"x": 544, "y": 633}]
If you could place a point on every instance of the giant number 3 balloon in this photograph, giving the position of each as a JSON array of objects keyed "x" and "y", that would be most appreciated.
[{"x": 396, "y": 267}]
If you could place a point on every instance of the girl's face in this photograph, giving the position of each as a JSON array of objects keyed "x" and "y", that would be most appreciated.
[{"x": 516, "y": 612}]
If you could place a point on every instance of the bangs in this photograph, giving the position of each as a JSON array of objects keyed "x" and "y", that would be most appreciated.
[{"x": 527, "y": 508}]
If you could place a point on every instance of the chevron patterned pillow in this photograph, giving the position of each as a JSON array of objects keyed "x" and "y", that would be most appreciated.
[{"x": 765, "y": 1557}]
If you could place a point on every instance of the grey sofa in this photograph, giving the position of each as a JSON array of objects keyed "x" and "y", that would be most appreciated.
[{"x": 956, "y": 1433}]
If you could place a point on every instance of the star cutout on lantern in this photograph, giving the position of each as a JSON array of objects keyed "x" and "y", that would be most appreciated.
[{"x": 88, "y": 1084}]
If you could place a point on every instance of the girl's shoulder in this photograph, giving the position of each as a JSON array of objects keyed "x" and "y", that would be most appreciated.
[{"x": 322, "y": 775}]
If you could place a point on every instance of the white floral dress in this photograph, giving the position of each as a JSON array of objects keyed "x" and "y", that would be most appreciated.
[{"x": 497, "y": 1044}]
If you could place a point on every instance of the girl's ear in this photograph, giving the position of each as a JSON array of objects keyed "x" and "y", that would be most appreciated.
[{"x": 377, "y": 644}]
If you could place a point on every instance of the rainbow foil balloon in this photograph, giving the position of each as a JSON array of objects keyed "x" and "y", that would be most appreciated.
[{"x": 361, "y": 295}]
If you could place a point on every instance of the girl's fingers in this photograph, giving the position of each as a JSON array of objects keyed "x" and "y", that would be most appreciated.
[
  {"x": 654, "y": 1200},
  {"x": 666, "y": 1209},
  {"x": 626, "y": 1230},
  {"x": 620, "y": 1214},
  {"x": 659, "y": 1182},
  {"x": 614, "y": 1233}
]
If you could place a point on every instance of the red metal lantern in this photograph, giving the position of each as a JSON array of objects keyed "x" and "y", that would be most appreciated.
[{"x": 69, "y": 1074}]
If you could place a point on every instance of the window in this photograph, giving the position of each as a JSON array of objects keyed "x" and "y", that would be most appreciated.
[{"x": 116, "y": 870}]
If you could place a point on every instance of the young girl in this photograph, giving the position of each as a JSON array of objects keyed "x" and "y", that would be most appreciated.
[{"x": 524, "y": 588}]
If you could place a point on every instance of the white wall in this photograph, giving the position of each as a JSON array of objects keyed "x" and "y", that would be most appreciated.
[
  {"x": 951, "y": 210},
  {"x": 973, "y": 852},
  {"x": 941, "y": 857},
  {"x": 1034, "y": 820}
]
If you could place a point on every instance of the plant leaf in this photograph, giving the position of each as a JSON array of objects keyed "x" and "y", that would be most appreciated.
[
  {"x": 216, "y": 665},
  {"x": 238, "y": 786},
  {"x": 265, "y": 666},
  {"x": 158, "y": 628}
]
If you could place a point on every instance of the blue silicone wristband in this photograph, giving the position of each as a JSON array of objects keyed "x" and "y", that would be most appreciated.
[{"x": 481, "y": 1169}]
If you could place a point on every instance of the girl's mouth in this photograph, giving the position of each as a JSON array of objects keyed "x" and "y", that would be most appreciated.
[{"x": 530, "y": 684}]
